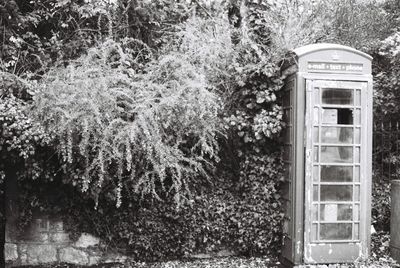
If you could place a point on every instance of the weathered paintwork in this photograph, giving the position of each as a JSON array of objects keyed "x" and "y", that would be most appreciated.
[{"x": 313, "y": 64}]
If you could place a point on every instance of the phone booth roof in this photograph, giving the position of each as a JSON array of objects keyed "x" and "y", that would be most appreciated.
[
  {"x": 304, "y": 50},
  {"x": 331, "y": 58}
]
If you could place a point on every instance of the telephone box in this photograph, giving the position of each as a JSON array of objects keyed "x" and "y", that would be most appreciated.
[{"x": 327, "y": 103}]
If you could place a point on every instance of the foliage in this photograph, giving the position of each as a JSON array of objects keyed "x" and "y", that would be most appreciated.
[
  {"x": 358, "y": 24},
  {"x": 142, "y": 133},
  {"x": 381, "y": 204},
  {"x": 36, "y": 34},
  {"x": 385, "y": 96},
  {"x": 243, "y": 217},
  {"x": 386, "y": 116},
  {"x": 141, "y": 100},
  {"x": 19, "y": 133},
  {"x": 296, "y": 23},
  {"x": 20, "y": 136}
]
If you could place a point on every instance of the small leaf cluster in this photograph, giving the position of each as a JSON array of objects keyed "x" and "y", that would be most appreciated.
[{"x": 19, "y": 133}]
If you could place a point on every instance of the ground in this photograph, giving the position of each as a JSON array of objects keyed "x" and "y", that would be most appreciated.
[{"x": 380, "y": 258}]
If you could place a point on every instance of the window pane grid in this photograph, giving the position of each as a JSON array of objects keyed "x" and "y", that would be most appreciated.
[{"x": 343, "y": 227}]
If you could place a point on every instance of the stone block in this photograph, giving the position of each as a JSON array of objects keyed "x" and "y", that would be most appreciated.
[
  {"x": 110, "y": 258},
  {"x": 34, "y": 232},
  {"x": 38, "y": 254},
  {"x": 87, "y": 240},
  {"x": 201, "y": 256},
  {"x": 10, "y": 252},
  {"x": 73, "y": 255},
  {"x": 41, "y": 237},
  {"x": 23, "y": 253},
  {"x": 93, "y": 260},
  {"x": 225, "y": 253},
  {"x": 41, "y": 224},
  {"x": 59, "y": 237},
  {"x": 56, "y": 226}
]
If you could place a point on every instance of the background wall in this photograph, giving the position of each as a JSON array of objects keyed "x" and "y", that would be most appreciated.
[{"x": 46, "y": 241}]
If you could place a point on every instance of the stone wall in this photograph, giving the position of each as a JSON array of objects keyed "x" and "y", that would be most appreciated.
[{"x": 46, "y": 241}]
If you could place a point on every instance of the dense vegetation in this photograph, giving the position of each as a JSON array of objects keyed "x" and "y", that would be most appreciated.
[{"x": 165, "y": 115}]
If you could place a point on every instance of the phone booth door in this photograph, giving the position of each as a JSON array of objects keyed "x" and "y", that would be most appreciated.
[{"x": 335, "y": 157}]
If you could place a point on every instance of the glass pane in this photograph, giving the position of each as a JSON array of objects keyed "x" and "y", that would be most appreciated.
[
  {"x": 357, "y": 117},
  {"x": 336, "y": 212},
  {"x": 286, "y": 152},
  {"x": 316, "y": 117},
  {"x": 316, "y": 154},
  {"x": 336, "y": 192},
  {"x": 356, "y": 231},
  {"x": 345, "y": 212},
  {"x": 315, "y": 173},
  {"x": 314, "y": 232},
  {"x": 315, "y": 213},
  {"x": 336, "y": 174},
  {"x": 357, "y": 136},
  {"x": 340, "y": 135},
  {"x": 285, "y": 190},
  {"x": 287, "y": 116},
  {"x": 288, "y": 207},
  {"x": 356, "y": 192},
  {"x": 316, "y": 134},
  {"x": 356, "y": 173},
  {"x": 329, "y": 212},
  {"x": 357, "y": 98},
  {"x": 287, "y": 171},
  {"x": 343, "y": 116},
  {"x": 357, "y": 155},
  {"x": 329, "y": 116},
  {"x": 287, "y": 132},
  {"x": 336, "y": 154},
  {"x": 286, "y": 99},
  {"x": 286, "y": 226},
  {"x": 340, "y": 96},
  {"x": 356, "y": 212},
  {"x": 335, "y": 231},
  {"x": 315, "y": 193}
]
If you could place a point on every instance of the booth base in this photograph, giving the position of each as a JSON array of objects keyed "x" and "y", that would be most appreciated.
[{"x": 395, "y": 253}]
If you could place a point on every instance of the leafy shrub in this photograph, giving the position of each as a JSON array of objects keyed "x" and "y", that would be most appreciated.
[{"x": 148, "y": 133}]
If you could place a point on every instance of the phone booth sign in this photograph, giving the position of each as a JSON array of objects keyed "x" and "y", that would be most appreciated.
[{"x": 327, "y": 103}]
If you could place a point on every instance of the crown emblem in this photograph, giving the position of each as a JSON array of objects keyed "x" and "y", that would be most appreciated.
[{"x": 335, "y": 56}]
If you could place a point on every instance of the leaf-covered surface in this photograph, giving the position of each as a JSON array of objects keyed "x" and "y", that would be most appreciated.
[{"x": 209, "y": 263}]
